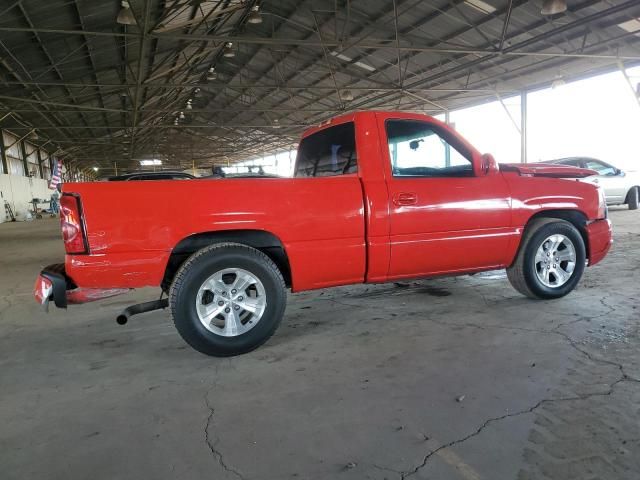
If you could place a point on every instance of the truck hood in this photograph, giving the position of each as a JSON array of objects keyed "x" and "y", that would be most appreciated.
[{"x": 546, "y": 170}]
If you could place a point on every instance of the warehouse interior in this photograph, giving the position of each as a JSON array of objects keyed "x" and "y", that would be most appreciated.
[{"x": 449, "y": 378}]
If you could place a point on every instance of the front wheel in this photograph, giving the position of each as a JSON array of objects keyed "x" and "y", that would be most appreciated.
[
  {"x": 227, "y": 299},
  {"x": 550, "y": 261}
]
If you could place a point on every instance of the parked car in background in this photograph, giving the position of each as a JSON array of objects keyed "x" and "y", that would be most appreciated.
[{"x": 620, "y": 187}]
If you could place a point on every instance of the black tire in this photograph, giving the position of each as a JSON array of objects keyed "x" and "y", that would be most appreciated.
[
  {"x": 632, "y": 198},
  {"x": 198, "y": 268},
  {"x": 522, "y": 274}
]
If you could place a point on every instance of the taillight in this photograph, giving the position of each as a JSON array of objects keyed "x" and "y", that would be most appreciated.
[
  {"x": 602, "y": 205},
  {"x": 73, "y": 232}
]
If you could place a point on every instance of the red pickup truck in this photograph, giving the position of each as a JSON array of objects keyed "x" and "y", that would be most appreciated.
[{"x": 375, "y": 197}]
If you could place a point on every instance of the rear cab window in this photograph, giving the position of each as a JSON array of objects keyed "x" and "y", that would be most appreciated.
[{"x": 328, "y": 152}]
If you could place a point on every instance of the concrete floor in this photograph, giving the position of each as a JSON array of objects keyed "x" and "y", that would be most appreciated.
[{"x": 456, "y": 378}]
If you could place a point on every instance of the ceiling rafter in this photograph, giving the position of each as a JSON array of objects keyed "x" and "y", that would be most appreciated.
[{"x": 58, "y": 74}]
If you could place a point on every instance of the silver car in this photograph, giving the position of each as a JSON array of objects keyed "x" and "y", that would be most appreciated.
[{"x": 620, "y": 188}]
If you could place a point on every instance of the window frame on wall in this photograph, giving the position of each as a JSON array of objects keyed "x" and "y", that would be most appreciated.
[
  {"x": 18, "y": 153},
  {"x": 46, "y": 165},
  {"x": 32, "y": 160},
  {"x": 13, "y": 154}
]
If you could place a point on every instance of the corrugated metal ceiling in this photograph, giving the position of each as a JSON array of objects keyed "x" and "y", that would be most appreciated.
[{"x": 106, "y": 92}]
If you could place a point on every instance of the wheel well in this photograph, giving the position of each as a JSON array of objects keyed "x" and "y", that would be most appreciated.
[
  {"x": 575, "y": 217},
  {"x": 266, "y": 242}
]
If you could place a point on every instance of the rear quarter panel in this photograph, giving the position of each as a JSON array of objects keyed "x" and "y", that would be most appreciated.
[{"x": 133, "y": 226}]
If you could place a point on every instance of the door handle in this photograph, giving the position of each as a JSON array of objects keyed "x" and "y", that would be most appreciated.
[{"x": 405, "y": 198}]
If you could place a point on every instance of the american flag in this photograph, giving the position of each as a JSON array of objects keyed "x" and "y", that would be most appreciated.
[{"x": 56, "y": 175}]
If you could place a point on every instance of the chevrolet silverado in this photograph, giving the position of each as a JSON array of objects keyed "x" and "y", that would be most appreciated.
[{"x": 375, "y": 197}]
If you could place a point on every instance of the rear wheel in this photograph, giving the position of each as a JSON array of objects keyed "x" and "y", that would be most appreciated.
[
  {"x": 227, "y": 299},
  {"x": 632, "y": 198},
  {"x": 551, "y": 260}
]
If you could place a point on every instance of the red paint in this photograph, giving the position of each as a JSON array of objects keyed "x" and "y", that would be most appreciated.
[
  {"x": 84, "y": 295},
  {"x": 600, "y": 236},
  {"x": 364, "y": 227},
  {"x": 547, "y": 170}
]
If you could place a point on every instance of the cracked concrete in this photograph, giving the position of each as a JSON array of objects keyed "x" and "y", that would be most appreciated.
[{"x": 358, "y": 383}]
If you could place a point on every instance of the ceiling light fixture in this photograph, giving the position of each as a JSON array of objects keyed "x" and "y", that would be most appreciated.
[
  {"x": 154, "y": 161},
  {"x": 175, "y": 122},
  {"x": 95, "y": 169},
  {"x": 631, "y": 26},
  {"x": 227, "y": 51},
  {"x": 553, "y": 7},
  {"x": 347, "y": 95},
  {"x": 479, "y": 5},
  {"x": 181, "y": 116},
  {"x": 276, "y": 123},
  {"x": 255, "y": 17},
  {"x": 189, "y": 105},
  {"x": 125, "y": 15},
  {"x": 343, "y": 57},
  {"x": 211, "y": 74}
]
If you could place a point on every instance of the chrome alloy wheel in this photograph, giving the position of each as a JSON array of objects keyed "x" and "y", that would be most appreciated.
[
  {"x": 231, "y": 302},
  {"x": 555, "y": 261}
]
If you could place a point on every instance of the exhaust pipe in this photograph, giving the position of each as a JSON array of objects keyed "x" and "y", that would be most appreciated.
[{"x": 141, "y": 308}]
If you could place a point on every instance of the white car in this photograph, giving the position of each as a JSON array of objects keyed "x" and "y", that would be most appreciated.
[{"x": 620, "y": 188}]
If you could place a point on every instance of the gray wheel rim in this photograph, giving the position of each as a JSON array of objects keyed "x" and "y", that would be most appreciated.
[
  {"x": 231, "y": 302},
  {"x": 555, "y": 260}
]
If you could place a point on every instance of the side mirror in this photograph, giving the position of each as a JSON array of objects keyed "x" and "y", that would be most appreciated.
[{"x": 488, "y": 164}]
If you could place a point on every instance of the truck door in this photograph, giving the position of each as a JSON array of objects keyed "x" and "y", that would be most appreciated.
[{"x": 445, "y": 215}]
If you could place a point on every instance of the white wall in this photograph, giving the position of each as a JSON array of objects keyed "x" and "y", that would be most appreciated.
[{"x": 19, "y": 191}]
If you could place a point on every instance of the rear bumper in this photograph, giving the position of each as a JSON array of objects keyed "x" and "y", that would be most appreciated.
[
  {"x": 600, "y": 235},
  {"x": 53, "y": 284}
]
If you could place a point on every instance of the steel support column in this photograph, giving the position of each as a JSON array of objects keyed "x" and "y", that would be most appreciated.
[
  {"x": 3, "y": 155},
  {"x": 40, "y": 163},
  {"x": 447, "y": 158},
  {"x": 23, "y": 149},
  {"x": 523, "y": 127},
  {"x": 623, "y": 70}
]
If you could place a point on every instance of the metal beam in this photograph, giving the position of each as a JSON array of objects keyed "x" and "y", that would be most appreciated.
[
  {"x": 623, "y": 70},
  {"x": 238, "y": 86},
  {"x": 40, "y": 162},
  {"x": 3, "y": 155},
  {"x": 523, "y": 127},
  {"x": 379, "y": 45},
  {"x": 24, "y": 157}
]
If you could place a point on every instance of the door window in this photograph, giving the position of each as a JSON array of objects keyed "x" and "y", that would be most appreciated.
[
  {"x": 329, "y": 152},
  {"x": 419, "y": 149},
  {"x": 600, "y": 167},
  {"x": 573, "y": 162}
]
